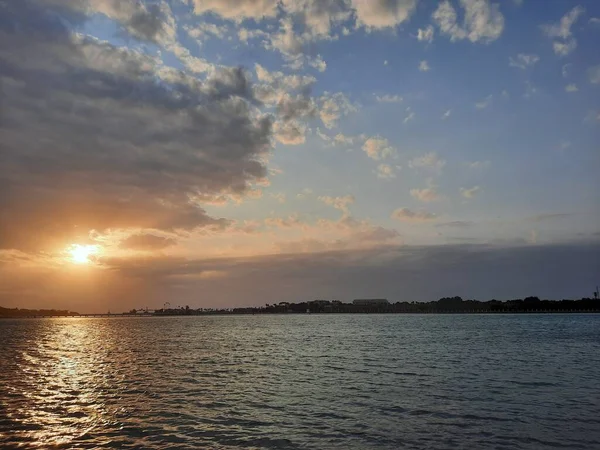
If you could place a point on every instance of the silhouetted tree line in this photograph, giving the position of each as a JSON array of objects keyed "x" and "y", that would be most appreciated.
[
  {"x": 443, "y": 305},
  {"x": 16, "y": 312}
]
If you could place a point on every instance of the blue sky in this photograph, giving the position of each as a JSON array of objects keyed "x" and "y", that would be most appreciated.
[{"x": 164, "y": 134}]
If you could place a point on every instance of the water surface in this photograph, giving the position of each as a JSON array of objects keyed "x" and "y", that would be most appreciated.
[{"x": 302, "y": 381}]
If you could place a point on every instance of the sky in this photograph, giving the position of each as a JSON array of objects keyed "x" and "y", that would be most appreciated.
[{"x": 220, "y": 153}]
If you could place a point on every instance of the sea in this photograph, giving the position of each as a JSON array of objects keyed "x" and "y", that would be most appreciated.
[{"x": 329, "y": 381}]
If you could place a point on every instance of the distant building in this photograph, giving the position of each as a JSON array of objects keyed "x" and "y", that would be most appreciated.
[{"x": 370, "y": 301}]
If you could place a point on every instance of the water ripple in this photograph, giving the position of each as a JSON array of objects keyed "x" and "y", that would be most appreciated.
[{"x": 301, "y": 382}]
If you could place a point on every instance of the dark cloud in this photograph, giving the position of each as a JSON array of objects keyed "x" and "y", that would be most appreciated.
[
  {"x": 147, "y": 242},
  {"x": 96, "y": 137},
  {"x": 399, "y": 273}
]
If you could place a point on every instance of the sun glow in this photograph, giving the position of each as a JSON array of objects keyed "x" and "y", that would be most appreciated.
[{"x": 80, "y": 254}]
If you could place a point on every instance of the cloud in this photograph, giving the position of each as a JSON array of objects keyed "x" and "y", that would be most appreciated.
[
  {"x": 341, "y": 139},
  {"x": 564, "y": 42},
  {"x": 426, "y": 34},
  {"x": 429, "y": 161},
  {"x": 318, "y": 16},
  {"x": 279, "y": 80},
  {"x": 341, "y": 203},
  {"x": 290, "y": 132},
  {"x": 594, "y": 74},
  {"x": 477, "y": 165},
  {"x": 204, "y": 29},
  {"x": 146, "y": 242},
  {"x": 107, "y": 145},
  {"x": 280, "y": 197},
  {"x": 470, "y": 192},
  {"x": 523, "y": 61},
  {"x": 482, "y": 104},
  {"x": 379, "y": 14},
  {"x": 455, "y": 224},
  {"x": 237, "y": 10},
  {"x": 387, "y": 98},
  {"x": 565, "y": 69},
  {"x": 504, "y": 271},
  {"x": 409, "y": 117},
  {"x": 334, "y": 106},
  {"x": 153, "y": 23},
  {"x": 385, "y": 172},
  {"x": 306, "y": 192},
  {"x": 377, "y": 148},
  {"x": 429, "y": 194},
  {"x": 571, "y": 87},
  {"x": 446, "y": 114},
  {"x": 245, "y": 34},
  {"x": 280, "y": 222},
  {"x": 424, "y": 66},
  {"x": 407, "y": 215},
  {"x": 483, "y": 21}
]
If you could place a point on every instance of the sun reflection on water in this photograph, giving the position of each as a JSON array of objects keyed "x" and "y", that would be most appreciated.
[{"x": 62, "y": 381}]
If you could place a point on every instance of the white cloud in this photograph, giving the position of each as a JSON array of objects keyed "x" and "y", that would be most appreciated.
[
  {"x": 306, "y": 192},
  {"x": 595, "y": 21},
  {"x": 279, "y": 80},
  {"x": 341, "y": 203},
  {"x": 482, "y": 104},
  {"x": 333, "y": 106},
  {"x": 387, "y": 98},
  {"x": 424, "y": 66},
  {"x": 426, "y": 34},
  {"x": 564, "y": 48},
  {"x": 407, "y": 215},
  {"x": 523, "y": 61},
  {"x": 318, "y": 16},
  {"x": 477, "y": 165},
  {"x": 203, "y": 29},
  {"x": 341, "y": 139},
  {"x": 378, "y": 14},
  {"x": 565, "y": 69},
  {"x": 483, "y": 21},
  {"x": 429, "y": 161},
  {"x": 446, "y": 114},
  {"x": 564, "y": 42},
  {"x": 594, "y": 74},
  {"x": 385, "y": 171},
  {"x": 411, "y": 116},
  {"x": 280, "y": 197},
  {"x": 385, "y": 62},
  {"x": 318, "y": 63},
  {"x": 429, "y": 194},
  {"x": 237, "y": 10},
  {"x": 378, "y": 148},
  {"x": 323, "y": 135},
  {"x": 470, "y": 192},
  {"x": 562, "y": 29},
  {"x": 245, "y": 34},
  {"x": 571, "y": 88},
  {"x": 290, "y": 132}
]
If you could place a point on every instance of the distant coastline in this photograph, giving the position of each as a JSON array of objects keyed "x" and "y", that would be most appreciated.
[{"x": 446, "y": 305}]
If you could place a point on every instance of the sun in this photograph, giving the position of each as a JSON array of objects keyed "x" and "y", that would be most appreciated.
[{"x": 80, "y": 254}]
